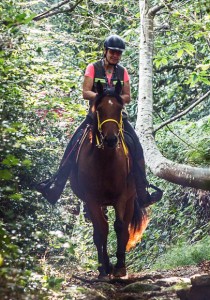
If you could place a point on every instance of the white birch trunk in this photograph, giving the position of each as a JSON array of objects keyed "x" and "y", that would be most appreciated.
[{"x": 162, "y": 167}]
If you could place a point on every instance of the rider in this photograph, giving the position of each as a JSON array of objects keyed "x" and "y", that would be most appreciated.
[{"x": 108, "y": 72}]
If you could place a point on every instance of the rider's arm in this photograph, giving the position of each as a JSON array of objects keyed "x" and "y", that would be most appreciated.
[
  {"x": 126, "y": 93},
  {"x": 87, "y": 92}
]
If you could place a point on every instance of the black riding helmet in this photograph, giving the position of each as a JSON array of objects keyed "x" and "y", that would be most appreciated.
[{"x": 114, "y": 42}]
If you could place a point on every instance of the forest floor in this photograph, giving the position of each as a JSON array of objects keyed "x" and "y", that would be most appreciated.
[
  {"x": 183, "y": 283},
  {"x": 153, "y": 285}
]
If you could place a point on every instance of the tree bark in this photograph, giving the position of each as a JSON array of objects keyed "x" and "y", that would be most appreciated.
[{"x": 162, "y": 167}]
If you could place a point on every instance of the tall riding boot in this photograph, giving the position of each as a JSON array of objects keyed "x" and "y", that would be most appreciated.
[
  {"x": 144, "y": 198},
  {"x": 52, "y": 188}
]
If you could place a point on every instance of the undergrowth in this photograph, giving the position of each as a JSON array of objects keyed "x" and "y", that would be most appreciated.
[{"x": 184, "y": 254}]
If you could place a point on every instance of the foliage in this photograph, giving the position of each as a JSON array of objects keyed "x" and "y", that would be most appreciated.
[
  {"x": 178, "y": 218},
  {"x": 41, "y": 67},
  {"x": 184, "y": 254},
  {"x": 182, "y": 64},
  {"x": 186, "y": 142}
]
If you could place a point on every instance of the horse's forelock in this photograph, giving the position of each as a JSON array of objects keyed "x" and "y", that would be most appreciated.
[{"x": 100, "y": 98}]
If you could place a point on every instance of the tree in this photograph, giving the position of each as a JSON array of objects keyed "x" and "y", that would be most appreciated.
[
  {"x": 58, "y": 9},
  {"x": 181, "y": 174}
]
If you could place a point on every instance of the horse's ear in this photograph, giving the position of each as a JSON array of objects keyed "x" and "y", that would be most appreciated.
[
  {"x": 99, "y": 88},
  {"x": 118, "y": 87}
]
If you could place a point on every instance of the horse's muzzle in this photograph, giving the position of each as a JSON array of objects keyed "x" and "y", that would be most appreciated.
[{"x": 111, "y": 141}]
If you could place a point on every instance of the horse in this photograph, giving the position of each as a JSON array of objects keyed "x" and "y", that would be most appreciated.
[{"x": 103, "y": 177}]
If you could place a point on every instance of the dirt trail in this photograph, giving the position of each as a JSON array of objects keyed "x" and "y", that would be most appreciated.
[{"x": 185, "y": 283}]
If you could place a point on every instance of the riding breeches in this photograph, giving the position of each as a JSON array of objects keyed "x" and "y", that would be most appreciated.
[{"x": 77, "y": 134}]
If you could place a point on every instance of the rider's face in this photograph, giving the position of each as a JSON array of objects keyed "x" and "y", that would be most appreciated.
[{"x": 113, "y": 56}]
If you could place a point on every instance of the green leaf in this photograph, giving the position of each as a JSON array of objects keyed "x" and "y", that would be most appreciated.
[
  {"x": 180, "y": 53},
  {"x": 20, "y": 17},
  {"x": 10, "y": 161},
  {"x": 164, "y": 61},
  {"x": 5, "y": 174},
  {"x": 1, "y": 260},
  {"x": 29, "y": 19},
  {"x": 26, "y": 162},
  {"x": 16, "y": 196}
]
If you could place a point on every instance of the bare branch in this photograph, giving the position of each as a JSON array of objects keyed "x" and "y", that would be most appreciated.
[
  {"x": 173, "y": 67},
  {"x": 55, "y": 7},
  {"x": 54, "y": 11},
  {"x": 182, "y": 113},
  {"x": 155, "y": 9}
]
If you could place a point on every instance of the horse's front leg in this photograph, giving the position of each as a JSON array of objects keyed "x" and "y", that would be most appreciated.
[
  {"x": 107, "y": 264},
  {"x": 100, "y": 233},
  {"x": 122, "y": 239},
  {"x": 123, "y": 218}
]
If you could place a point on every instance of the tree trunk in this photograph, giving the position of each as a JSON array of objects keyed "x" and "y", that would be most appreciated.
[{"x": 162, "y": 167}]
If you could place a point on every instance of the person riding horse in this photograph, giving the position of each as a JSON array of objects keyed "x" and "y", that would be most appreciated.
[{"x": 108, "y": 71}]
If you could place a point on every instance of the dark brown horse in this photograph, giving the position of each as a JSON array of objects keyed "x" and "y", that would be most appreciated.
[{"x": 104, "y": 178}]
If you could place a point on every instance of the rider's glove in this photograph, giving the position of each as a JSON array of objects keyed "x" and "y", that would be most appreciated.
[{"x": 109, "y": 91}]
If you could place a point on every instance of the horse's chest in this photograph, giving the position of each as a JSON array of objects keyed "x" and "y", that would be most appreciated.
[
  {"x": 103, "y": 177},
  {"x": 107, "y": 187}
]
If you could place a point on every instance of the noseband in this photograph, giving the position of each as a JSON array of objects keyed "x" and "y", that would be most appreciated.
[
  {"x": 100, "y": 141},
  {"x": 100, "y": 124}
]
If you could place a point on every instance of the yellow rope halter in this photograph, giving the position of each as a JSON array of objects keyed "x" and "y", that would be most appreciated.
[{"x": 120, "y": 127}]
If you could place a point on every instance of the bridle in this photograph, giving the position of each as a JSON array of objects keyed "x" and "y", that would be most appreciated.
[
  {"x": 100, "y": 140},
  {"x": 100, "y": 124}
]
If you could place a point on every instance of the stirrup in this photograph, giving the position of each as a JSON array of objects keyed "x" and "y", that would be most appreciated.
[
  {"x": 155, "y": 196},
  {"x": 50, "y": 193},
  {"x": 155, "y": 188},
  {"x": 47, "y": 183}
]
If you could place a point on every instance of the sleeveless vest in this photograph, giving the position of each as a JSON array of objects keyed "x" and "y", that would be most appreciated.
[{"x": 100, "y": 75}]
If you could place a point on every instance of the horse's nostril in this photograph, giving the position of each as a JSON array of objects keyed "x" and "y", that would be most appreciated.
[{"x": 111, "y": 141}]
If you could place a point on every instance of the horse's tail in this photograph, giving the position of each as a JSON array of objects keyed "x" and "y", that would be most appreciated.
[{"x": 138, "y": 225}]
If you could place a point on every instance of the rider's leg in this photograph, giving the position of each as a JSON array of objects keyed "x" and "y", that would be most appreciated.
[
  {"x": 73, "y": 140},
  {"x": 52, "y": 188},
  {"x": 144, "y": 198}
]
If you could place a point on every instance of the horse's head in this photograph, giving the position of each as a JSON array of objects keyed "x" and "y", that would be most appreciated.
[{"x": 108, "y": 110}]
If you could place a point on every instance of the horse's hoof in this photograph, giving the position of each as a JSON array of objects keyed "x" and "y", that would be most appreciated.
[
  {"x": 103, "y": 278},
  {"x": 119, "y": 272},
  {"x": 110, "y": 269}
]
